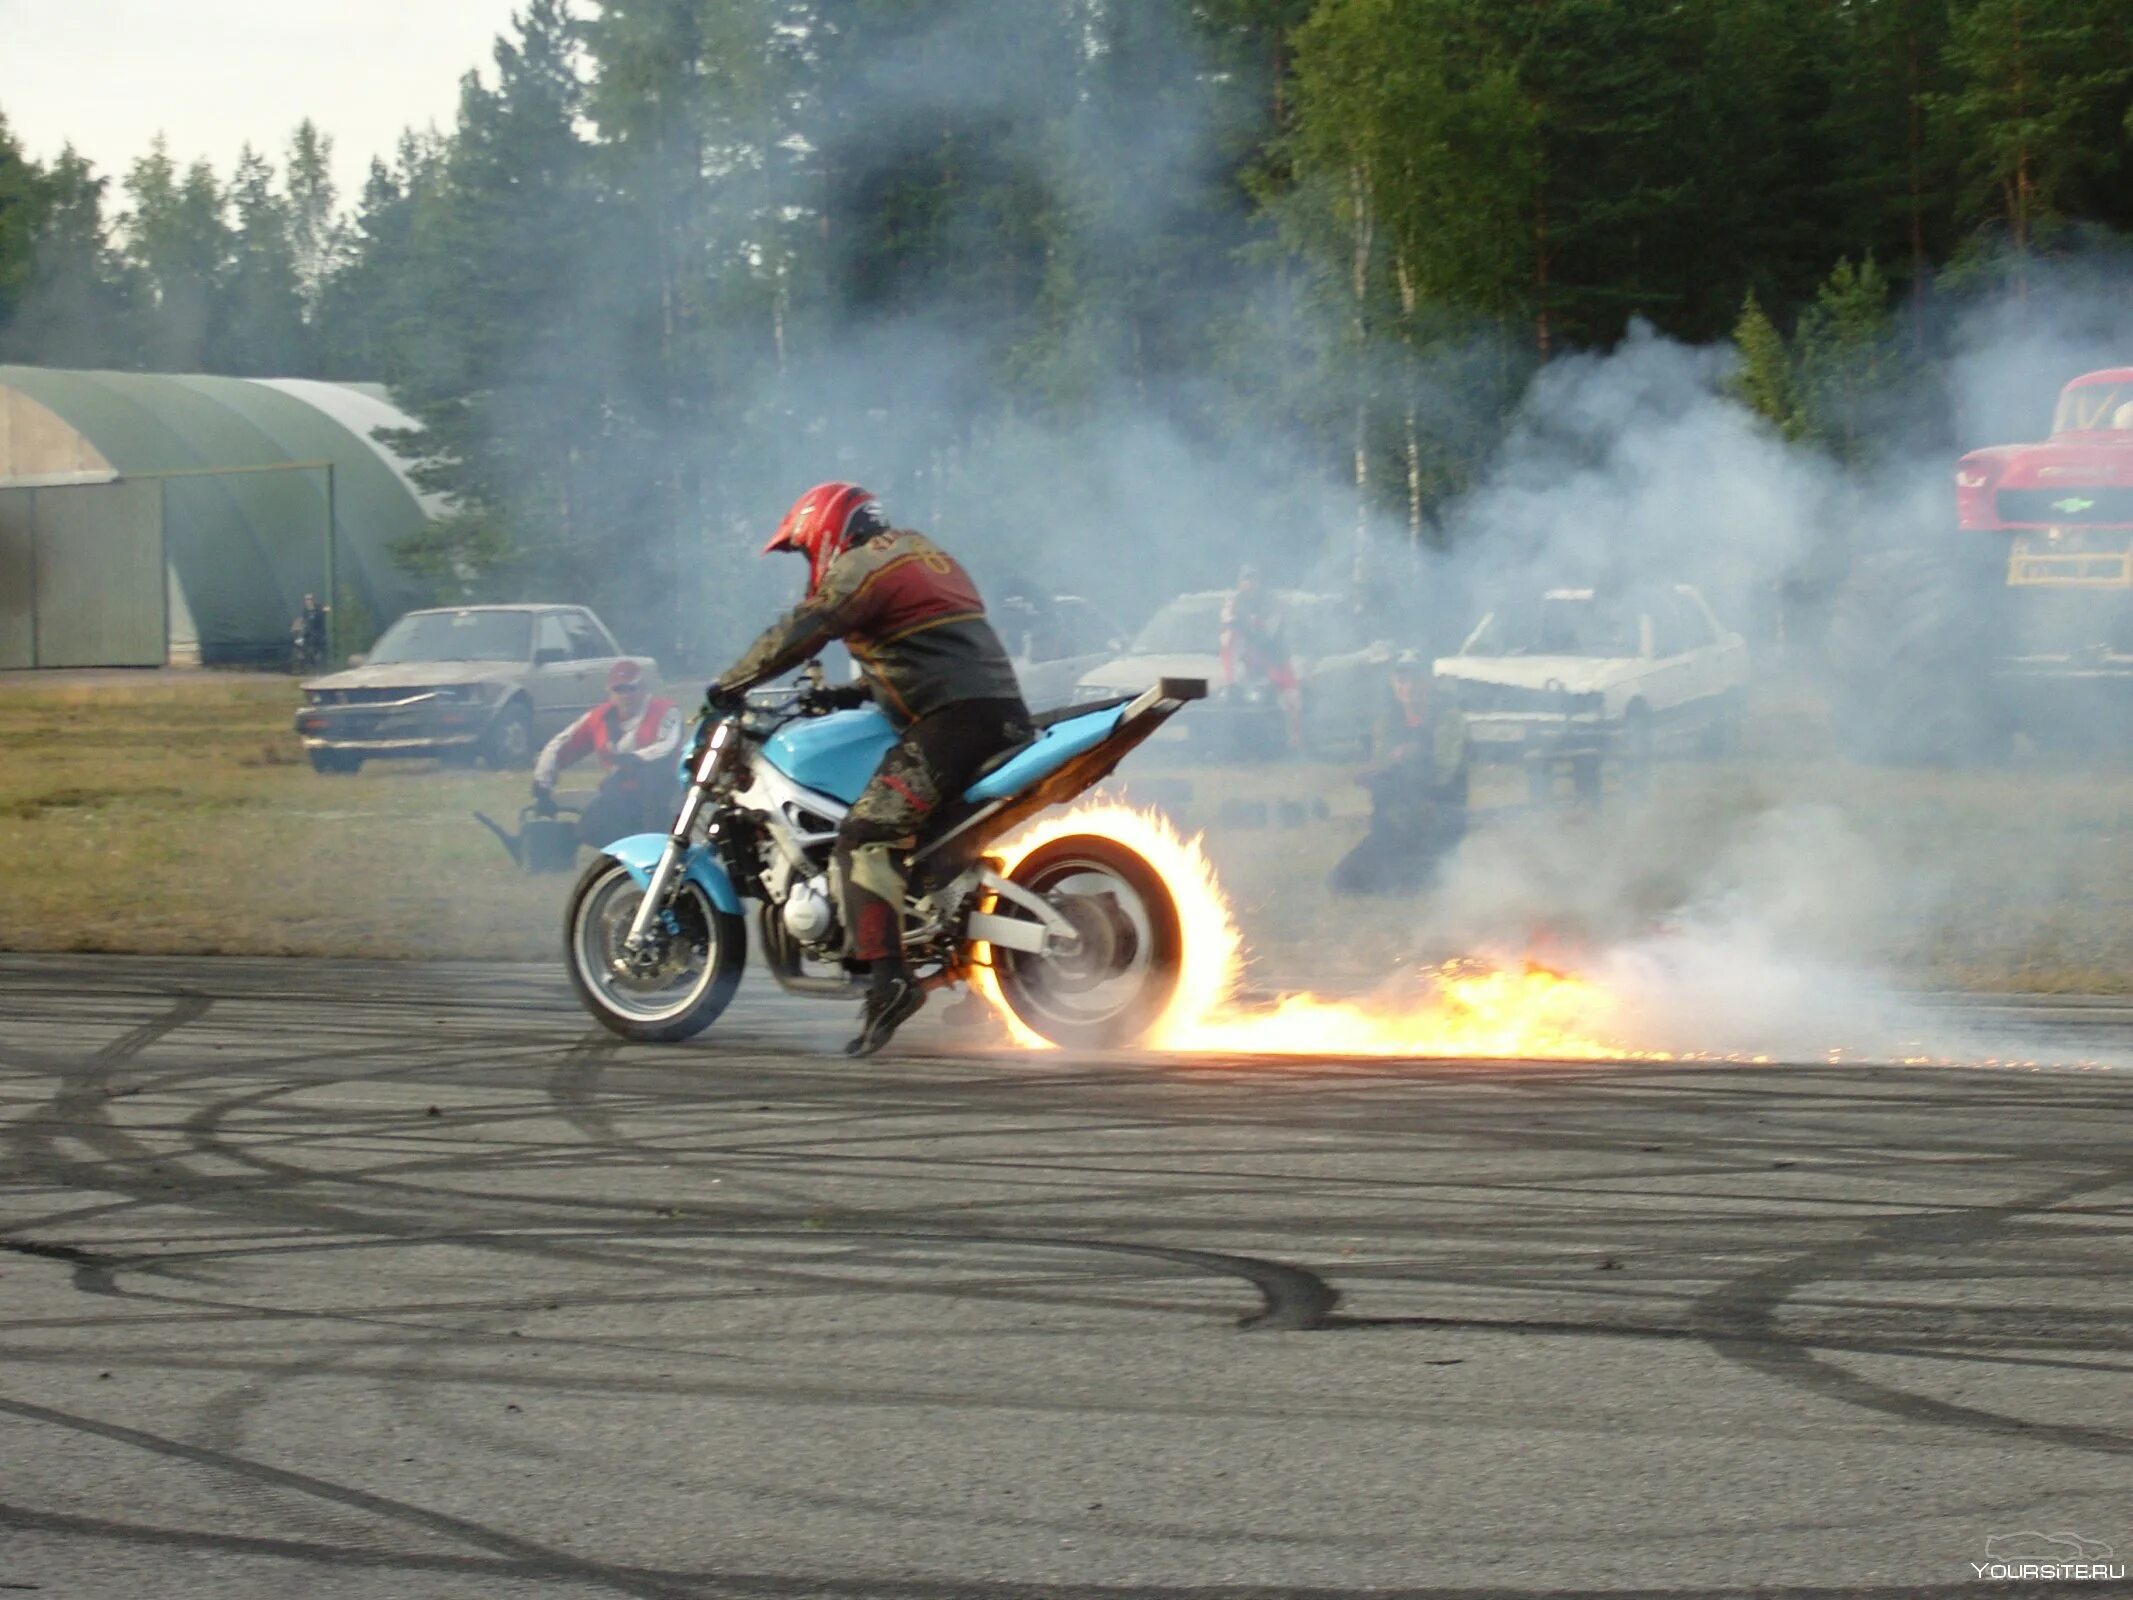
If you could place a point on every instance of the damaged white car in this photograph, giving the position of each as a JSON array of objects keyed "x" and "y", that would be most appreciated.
[{"x": 1589, "y": 673}]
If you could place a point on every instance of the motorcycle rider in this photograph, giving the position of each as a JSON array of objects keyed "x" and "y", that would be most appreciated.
[
  {"x": 636, "y": 735},
  {"x": 913, "y": 620}
]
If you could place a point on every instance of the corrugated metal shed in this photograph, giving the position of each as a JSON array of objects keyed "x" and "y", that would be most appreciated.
[{"x": 241, "y": 470}]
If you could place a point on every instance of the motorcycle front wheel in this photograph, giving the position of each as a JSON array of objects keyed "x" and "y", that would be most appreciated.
[
  {"x": 678, "y": 995},
  {"x": 1115, "y": 983}
]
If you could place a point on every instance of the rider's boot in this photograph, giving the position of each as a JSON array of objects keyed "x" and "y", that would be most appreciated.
[{"x": 893, "y": 998}]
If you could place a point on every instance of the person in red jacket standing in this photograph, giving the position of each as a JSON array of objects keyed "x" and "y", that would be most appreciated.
[
  {"x": 637, "y": 736},
  {"x": 1253, "y": 651}
]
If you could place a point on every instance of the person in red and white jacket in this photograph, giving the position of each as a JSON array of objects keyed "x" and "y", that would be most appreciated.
[{"x": 637, "y": 736}]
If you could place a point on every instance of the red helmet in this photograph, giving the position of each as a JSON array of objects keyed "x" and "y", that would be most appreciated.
[
  {"x": 824, "y": 523},
  {"x": 625, "y": 674}
]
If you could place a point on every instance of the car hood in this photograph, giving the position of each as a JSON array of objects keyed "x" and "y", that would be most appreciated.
[
  {"x": 2100, "y": 461},
  {"x": 1131, "y": 674},
  {"x": 419, "y": 675},
  {"x": 1574, "y": 674}
]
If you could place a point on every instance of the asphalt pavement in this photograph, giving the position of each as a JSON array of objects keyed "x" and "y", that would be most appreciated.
[{"x": 337, "y": 1279}]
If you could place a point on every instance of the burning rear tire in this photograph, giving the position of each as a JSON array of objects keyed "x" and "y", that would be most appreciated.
[{"x": 1117, "y": 982}]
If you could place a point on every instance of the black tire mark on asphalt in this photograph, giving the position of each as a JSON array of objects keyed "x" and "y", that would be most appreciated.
[
  {"x": 1292, "y": 1299},
  {"x": 93, "y": 1273},
  {"x": 542, "y": 1561},
  {"x": 80, "y": 1106},
  {"x": 769, "y": 1586},
  {"x": 1741, "y": 1318},
  {"x": 1290, "y": 1306},
  {"x": 266, "y": 1206},
  {"x": 316, "y": 1553},
  {"x": 83, "y": 1096},
  {"x": 1301, "y": 1309}
]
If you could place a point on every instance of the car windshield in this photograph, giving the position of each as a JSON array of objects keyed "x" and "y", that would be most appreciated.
[
  {"x": 1190, "y": 626},
  {"x": 456, "y": 636},
  {"x": 1322, "y": 627},
  {"x": 1559, "y": 625},
  {"x": 2094, "y": 408}
]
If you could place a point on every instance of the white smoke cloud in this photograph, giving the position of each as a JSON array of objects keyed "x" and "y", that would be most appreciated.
[{"x": 1774, "y": 916}]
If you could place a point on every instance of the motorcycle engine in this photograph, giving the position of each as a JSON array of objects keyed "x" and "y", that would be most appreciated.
[{"x": 809, "y": 915}]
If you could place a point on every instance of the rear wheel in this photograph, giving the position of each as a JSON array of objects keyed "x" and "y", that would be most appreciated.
[
  {"x": 336, "y": 763},
  {"x": 677, "y": 989},
  {"x": 1114, "y": 984}
]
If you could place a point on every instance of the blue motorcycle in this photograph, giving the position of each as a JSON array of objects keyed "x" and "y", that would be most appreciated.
[{"x": 1082, "y": 936}]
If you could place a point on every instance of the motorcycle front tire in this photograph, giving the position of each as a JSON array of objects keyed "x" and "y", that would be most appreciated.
[{"x": 598, "y": 913}]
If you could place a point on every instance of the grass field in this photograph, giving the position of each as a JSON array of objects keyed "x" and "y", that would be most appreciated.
[{"x": 176, "y": 814}]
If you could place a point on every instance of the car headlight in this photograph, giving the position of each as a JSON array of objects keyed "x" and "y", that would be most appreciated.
[{"x": 462, "y": 693}]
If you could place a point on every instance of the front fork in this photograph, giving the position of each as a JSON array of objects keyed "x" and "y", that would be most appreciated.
[{"x": 639, "y": 949}]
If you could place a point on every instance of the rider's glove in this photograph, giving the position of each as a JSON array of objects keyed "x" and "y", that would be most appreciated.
[
  {"x": 720, "y": 701},
  {"x": 839, "y": 697},
  {"x": 543, "y": 800}
]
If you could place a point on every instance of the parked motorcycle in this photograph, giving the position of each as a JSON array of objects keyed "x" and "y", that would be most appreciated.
[{"x": 1082, "y": 937}]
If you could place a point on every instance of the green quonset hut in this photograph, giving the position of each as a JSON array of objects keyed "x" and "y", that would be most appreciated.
[{"x": 147, "y": 518}]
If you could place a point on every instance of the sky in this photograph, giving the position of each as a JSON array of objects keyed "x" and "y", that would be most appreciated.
[{"x": 108, "y": 75}]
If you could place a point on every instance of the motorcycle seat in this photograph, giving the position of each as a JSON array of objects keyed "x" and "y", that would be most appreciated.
[{"x": 1041, "y": 720}]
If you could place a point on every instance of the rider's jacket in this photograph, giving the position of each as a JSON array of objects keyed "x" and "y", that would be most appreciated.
[
  {"x": 654, "y": 736},
  {"x": 912, "y": 619}
]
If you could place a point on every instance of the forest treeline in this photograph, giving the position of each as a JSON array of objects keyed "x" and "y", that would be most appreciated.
[{"x": 674, "y": 258}]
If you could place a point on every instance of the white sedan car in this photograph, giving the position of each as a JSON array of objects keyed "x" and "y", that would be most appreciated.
[{"x": 1584, "y": 673}]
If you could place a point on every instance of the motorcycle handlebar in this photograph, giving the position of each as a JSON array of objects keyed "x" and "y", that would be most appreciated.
[{"x": 768, "y": 710}]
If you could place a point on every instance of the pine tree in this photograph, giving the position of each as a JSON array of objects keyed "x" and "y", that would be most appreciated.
[
  {"x": 494, "y": 361},
  {"x": 75, "y": 309},
  {"x": 1764, "y": 381},
  {"x": 2041, "y": 109},
  {"x": 261, "y": 330},
  {"x": 693, "y": 108},
  {"x": 316, "y": 233},
  {"x": 1845, "y": 354},
  {"x": 1890, "y": 187},
  {"x": 21, "y": 217},
  {"x": 178, "y": 241},
  {"x": 371, "y": 320}
]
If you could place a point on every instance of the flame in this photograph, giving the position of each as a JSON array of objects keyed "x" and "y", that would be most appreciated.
[{"x": 1472, "y": 1008}]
